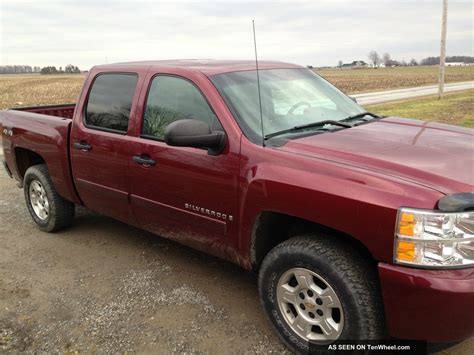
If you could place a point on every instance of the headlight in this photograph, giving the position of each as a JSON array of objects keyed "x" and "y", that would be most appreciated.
[{"x": 434, "y": 239}]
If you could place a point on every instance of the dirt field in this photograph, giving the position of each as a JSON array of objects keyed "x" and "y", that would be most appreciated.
[
  {"x": 353, "y": 81},
  {"x": 31, "y": 90},
  {"x": 34, "y": 90},
  {"x": 102, "y": 286}
]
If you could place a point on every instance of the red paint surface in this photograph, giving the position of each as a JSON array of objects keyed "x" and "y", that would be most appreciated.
[
  {"x": 353, "y": 181},
  {"x": 433, "y": 305}
]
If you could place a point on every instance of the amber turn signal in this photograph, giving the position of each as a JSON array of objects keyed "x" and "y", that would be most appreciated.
[
  {"x": 405, "y": 251},
  {"x": 406, "y": 224}
]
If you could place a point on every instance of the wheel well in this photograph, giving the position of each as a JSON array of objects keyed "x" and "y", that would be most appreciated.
[
  {"x": 26, "y": 158},
  {"x": 272, "y": 228}
]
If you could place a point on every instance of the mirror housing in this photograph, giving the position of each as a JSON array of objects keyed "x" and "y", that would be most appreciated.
[{"x": 196, "y": 134}]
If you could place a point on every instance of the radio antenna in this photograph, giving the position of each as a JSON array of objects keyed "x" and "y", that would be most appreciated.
[{"x": 258, "y": 83}]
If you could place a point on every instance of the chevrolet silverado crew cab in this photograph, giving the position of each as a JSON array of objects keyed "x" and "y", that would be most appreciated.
[{"x": 360, "y": 227}]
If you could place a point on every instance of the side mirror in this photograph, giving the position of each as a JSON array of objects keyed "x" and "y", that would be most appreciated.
[{"x": 196, "y": 134}]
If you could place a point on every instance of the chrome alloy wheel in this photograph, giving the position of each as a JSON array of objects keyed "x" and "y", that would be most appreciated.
[
  {"x": 310, "y": 306},
  {"x": 38, "y": 200}
]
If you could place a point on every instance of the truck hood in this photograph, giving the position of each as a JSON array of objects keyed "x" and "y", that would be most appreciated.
[{"x": 435, "y": 155}]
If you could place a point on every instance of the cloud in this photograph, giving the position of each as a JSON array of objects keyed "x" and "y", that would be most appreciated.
[{"x": 86, "y": 33}]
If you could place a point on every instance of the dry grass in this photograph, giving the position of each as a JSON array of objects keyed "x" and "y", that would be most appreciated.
[
  {"x": 455, "y": 108},
  {"x": 368, "y": 80},
  {"x": 34, "y": 90},
  {"x": 31, "y": 90}
]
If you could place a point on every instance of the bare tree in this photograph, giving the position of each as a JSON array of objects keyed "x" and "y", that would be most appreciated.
[
  {"x": 413, "y": 62},
  {"x": 339, "y": 64},
  {"x": 374, "y": 57},
  {"x": 386, "y": 59}
]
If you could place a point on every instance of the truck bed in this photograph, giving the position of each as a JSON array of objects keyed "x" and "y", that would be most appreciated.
[
  {"x": 62, "y": 110},
  {"x": 41, "y": 134}
]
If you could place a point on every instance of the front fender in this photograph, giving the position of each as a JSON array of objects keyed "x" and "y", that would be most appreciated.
[{"x": 349, "y": 199}]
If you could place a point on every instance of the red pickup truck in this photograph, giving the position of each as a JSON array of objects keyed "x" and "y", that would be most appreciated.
[{"x": 360, "y": 227}]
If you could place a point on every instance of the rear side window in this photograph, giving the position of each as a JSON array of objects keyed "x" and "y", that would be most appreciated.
[
  {"x": 110, "y": 102},
  {"x": 170, "y": 99}
]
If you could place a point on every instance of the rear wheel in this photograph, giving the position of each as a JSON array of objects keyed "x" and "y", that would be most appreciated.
[
  {"x": 49, "y": 210},
  {"x": 317, "y": 290}
]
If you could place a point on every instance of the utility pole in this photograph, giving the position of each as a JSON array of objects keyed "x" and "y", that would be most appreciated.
[{"x": 442, "y": 57}]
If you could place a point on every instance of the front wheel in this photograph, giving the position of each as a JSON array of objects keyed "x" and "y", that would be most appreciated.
[
  {"x": 317, "y": 290},
  {"x": 50, "y": 211}
]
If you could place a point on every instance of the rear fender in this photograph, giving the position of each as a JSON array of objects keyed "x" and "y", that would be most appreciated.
[{"x": 48, "y": 137}]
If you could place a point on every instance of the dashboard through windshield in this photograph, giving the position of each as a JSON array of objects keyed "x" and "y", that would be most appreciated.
[{"x": 290, "y": 97}]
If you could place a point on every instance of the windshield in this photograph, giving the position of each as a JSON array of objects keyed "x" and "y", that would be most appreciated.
[{"x": 290, "y": 97}]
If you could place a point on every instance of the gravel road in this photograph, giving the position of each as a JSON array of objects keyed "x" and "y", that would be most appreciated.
[{"x": 102, "y": 286}]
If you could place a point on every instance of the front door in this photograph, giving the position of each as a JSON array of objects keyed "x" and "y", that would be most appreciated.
[
  {"x": 99, "y": 150},
  {"x": 182, "y": 193}
]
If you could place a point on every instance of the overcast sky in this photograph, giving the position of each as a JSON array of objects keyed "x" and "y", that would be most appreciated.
[{"x": 322, "y": 32}]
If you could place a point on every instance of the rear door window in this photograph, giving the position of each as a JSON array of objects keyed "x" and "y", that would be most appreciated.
[{"x": 110, "y": 102}]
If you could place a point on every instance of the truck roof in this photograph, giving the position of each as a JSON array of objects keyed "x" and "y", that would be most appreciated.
[{"x": 205, "y": 66}]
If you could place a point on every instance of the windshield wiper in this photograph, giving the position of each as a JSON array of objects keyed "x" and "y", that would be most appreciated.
[
  {"x": 309, "y": 125},
  {"x": 360, "y": 116}
]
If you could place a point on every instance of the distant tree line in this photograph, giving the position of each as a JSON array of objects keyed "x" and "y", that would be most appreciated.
[
  {"x": 68, "y": 69},
  {"x": 452, "y": 59},
  {"x": 25, "y": 69},
  {"x": 18, "y": 69},
  {"x": 376, "y": 60}
]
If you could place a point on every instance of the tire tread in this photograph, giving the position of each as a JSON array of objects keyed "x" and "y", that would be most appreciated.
[{"x": 349, "y": 263}]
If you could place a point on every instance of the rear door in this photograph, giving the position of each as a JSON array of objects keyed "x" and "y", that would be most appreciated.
[
  {"x": 184, "y": 193},
  {"x": 100, "y": 146}
]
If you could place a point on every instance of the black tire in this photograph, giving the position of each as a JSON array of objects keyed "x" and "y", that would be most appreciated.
[
  {"x": 61, "y": 211},
  {"x": 353, "y": 279}
]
